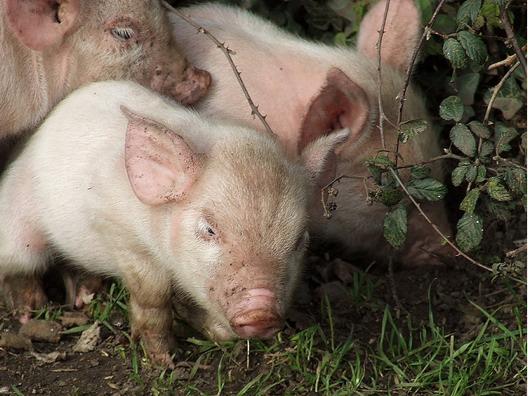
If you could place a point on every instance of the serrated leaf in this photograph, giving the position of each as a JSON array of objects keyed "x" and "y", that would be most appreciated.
[
  {"x": 475, "y": 48},
  {"x": 516, "y": 180},
  {"x": 463, "y": 139},
  {"x": 452, "y": 108},
  {"x": 420, "y": 172},
  {"x": 471, "y": 174},
  {"x": 486, "y": 149},
  {"x": 395, "y": 226},
  {"x": 410, "y": 129},
  {"x": 390, "y": 196},
  {"x": 481, "y": 174},
  {"x": 455, "y": 53},
  {"x": 479, "y": 129},
  {"x": 381, "y": 161},
  {"x": 376, "y": 173},
  {"x": 503, "y": 136},
  {"x": 469, "y": 232},
  {"x": 467, "y": 85},
  {"x": 427, "y": 189},
  {"x": 468, "y": 11},
  {"x": 469, "y": 203},
  {"x": 497, "y": 191},
  {"x": 491, "y": 11},
  {"x": 459, "y": 173}
]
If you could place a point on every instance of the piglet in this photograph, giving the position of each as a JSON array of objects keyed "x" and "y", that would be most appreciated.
[
  {"x": 49, "y": 48},
  {"x": 126, "y": 183},
  {"x": 308, "y": 90}
]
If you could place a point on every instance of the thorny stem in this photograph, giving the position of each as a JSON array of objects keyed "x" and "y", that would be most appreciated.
[
  {"x": 435, "y": 227},
  {"x": 380, "y": 81},
  {"x": 515, "y": 252},
  {"x": 326, "y": 190},
  {"x": 496, "y": 90},
  {"x": 449, "y": 155},
  {"x": 511, "y": 37},
  {"x": 410, "y": 69},
  {"x": 508, "y": 61},
  {"x": 227, "y": 52}
]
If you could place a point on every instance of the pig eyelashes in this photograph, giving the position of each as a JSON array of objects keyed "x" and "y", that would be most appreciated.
[
  {"x": 123, "y": 33},
  {"x": 206, "y": 231}
]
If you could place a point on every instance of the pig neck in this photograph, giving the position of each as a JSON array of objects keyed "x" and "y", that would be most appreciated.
[{"x": 31, "y": 82}]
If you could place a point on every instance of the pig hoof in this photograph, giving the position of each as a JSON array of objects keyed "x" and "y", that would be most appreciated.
[{"x": 162, "y": 360}]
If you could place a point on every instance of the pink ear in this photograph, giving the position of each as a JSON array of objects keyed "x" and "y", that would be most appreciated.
[
  {"x": 39, "y": 24},
  {"x": 319, "y": 156},
  {"x": 402, "y": 30},
  {"x": 340, "y": 104},
  {"x": 161, "y": 167}
]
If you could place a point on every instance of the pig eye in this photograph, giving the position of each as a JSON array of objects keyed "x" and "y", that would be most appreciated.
[
  {"x": 206, "y": 231},
  {"x": 123, "y": 33}
]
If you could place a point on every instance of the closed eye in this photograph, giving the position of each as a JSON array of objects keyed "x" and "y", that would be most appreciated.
[{"x": 123, "y": 33}]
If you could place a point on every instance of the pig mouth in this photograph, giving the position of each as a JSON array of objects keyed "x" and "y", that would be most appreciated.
[{"x": 194, "y": 86}]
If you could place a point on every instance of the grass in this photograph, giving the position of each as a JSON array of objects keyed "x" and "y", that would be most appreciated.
[{"x": 404, "y": 356}]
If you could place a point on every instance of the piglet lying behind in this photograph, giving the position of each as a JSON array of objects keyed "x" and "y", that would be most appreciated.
[{"x": 125, "y": 183}]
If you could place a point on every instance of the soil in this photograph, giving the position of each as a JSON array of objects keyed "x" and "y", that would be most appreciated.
[{"x": 104, "y": 371}]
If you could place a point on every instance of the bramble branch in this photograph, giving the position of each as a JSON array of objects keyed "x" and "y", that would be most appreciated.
[
  {"x": 496, "y": 90},
  {"x": 228, "y": 54},
  {"x": 511, "y": 37},
  {"x": 380, "y": 79}
]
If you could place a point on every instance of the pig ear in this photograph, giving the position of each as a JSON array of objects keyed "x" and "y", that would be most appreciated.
[
  {"x": 402, "y": 30},
  {"x": 39, "y": 24},
  {"x": 161, "y": 167},
  {"x": 320, "y": 159},
  {"x": 340, "y": 104}
]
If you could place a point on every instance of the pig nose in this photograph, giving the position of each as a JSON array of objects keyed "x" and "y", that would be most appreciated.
[
  {"x": 259, "y": 323},
  {"x": 256, "y": 315}
]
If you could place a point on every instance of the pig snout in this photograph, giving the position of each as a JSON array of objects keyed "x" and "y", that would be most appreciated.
[
  {"x": 193, "y": 87},
  {"x": 256, "y": 316}
]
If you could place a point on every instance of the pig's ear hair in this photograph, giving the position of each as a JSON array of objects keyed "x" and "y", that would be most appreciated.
[
  {"x": 39, "y": 24},
  {"x": 340, "y": 104},
  {"x": 402, "y": 30},
  {"x": 161, "y": 167},
  {"x": 320, "y": 159}
]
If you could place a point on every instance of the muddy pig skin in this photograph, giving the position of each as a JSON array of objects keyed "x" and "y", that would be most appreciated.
[
  {"x": 308, "y": 89},
  {"x": 49, "y": 48},
  {"x": 126, "y": 183}
]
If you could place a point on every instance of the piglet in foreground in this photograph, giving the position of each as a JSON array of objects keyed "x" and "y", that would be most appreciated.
[
  {"x": 308, "y": 90},
  {"x": 49, "y": 48},
  {"x": 125, "y": 183}
]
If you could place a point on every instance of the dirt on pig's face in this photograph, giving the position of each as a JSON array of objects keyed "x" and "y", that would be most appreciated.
[
  {"x": 245, "y": 234},
  {"x": 131, "y": 40}
]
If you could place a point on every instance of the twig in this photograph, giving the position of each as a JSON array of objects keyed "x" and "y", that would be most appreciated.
[
  {"x": 508, "y": 61},
  {"x": 496, "y": 90},
  {"x": 515, "y": 252},
  {"x": 435, "y": 227},
  {"x": 498, "y": 158},
  {"x": 394, "y": 291},
  {"x": 511, "y": 37},
  {"x": 326, "y": 190},
  {"x": 448, "y": 155},
  {"x": 380, "y": 79},
  {"x": 227, "y": 52},
  {"x": 410, "y": 70}
]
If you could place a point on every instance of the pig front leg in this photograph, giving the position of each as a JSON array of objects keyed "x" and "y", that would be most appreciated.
[
  {"x": 23, "y": 294},
  {"x": 150, "y": 312}
]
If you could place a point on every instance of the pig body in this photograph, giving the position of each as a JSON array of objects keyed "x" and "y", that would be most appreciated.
[
  {"x": 50, "y": 48},
  {"x": 308, "y": 89},
  {"x": 163, "y": 199}
]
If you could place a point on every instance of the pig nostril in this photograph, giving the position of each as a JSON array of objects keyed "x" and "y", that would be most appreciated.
[{"x": 257, "y": 324}]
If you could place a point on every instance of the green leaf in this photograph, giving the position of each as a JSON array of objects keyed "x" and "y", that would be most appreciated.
[
  {"x": 469, "y": 232},
  {"x": 491, "y": 11},
  {"x": 455, "y": 53},
  {"x": 410, "y": 129},
  {"x": 516, "y": 180},
  {"x": 503, "y": 136},
  {"x": 509, "y": 100},
  {"x": 470, "y": 201},
  {"x": 463, "y": 140},
  {"x": 468, "y": 12},
  {"x": 395, "y": 226},
  {"x": 481, "y": 174},
  {"x": 497, "y": 191},
  {"x": 479, "y": 129},
  {"x": 471, "y": 174},
  {"x": 475, "y": 48},
  {"x": 459, "y": 173},
  {"x": 427, "y": 189},
  {"x": 381, "y": 161},
  {"x": 420, "y": 172},
  {"x": 375, "y": 172},
  {"x": 390, "y": 196},
  {"x": 452, "y": 108},
  {"x": 486, "y": 149},
  {"x": 467, "y": 85}
]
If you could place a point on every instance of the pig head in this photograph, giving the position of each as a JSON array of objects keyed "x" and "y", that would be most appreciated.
[
  {"x": 308, "y": 90},
  {"x": 49, "y": 48}
]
